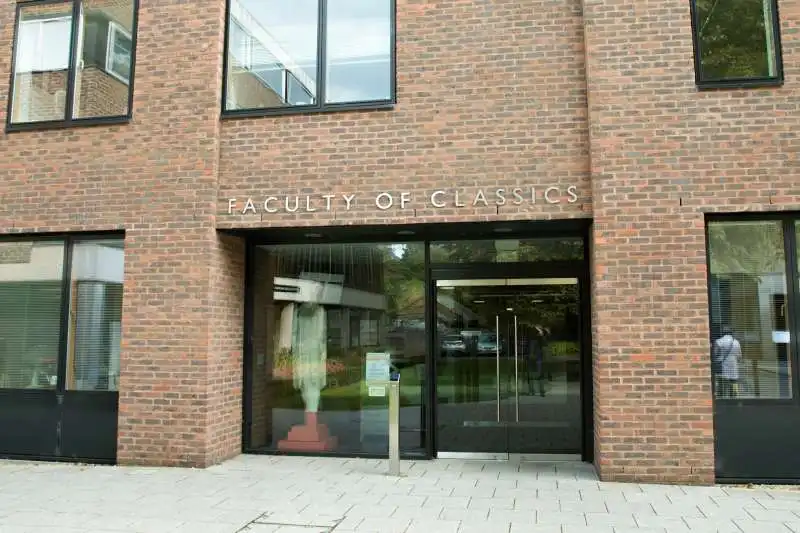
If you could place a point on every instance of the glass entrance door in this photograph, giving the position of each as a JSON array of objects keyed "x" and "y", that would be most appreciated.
[{"x": 508, "y": 367}]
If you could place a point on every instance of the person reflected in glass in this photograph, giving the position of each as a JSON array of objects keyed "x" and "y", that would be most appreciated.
[
  {"x": 727, "y": 357},
  {"x": 537, "y": 348}
]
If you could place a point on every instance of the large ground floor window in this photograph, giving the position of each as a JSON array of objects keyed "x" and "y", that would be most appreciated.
[
  {"x": 60, "y": 338},
  {"x": 754, "y": 291},
  {"x": 329, "y": 323},
  {"x": 61, "y": 309},
  {"x": 321, "y": 314}
]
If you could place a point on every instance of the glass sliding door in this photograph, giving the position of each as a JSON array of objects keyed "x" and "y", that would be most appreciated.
[{"x": 508, "y": 367}]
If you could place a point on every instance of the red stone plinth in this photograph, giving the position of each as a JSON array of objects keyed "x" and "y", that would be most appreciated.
[{"x": 309, "y": 437}]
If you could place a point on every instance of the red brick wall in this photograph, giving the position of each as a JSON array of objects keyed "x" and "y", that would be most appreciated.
[
  {"x": 663, "y": 154},
  {"x": 474, "y": 111},
  {"x": 101, "y": 94},
  {"x": 157, "y": 179},
  {"x": 477, "y": 108}
]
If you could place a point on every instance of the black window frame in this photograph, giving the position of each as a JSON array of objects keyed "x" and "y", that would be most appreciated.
[
  {"x": 320, "y": 106},
  {"x": 737, "y": 83},
  {"x": 69, "y": 106}
]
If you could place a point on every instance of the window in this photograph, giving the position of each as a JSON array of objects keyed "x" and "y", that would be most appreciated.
[
  {"x": 73, "y": 61},
  {"x": 118, "y": 53},
  {"x": 309, "y": 54},
  {"x": 95, "y": 298},
  {"x": 750, "y": 316},
  {"x": 737, "y": 42},
  {"x": 31, "y": 296},
  {"x": 39, "y": 307},
  {"x": 324, "y": 317}
]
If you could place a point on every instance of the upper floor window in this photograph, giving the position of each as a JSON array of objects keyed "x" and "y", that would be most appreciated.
[
  {"x": 73, "y": 62},
  {"x": 309, "y": 54},
  {"x": 737, "y": 43}
]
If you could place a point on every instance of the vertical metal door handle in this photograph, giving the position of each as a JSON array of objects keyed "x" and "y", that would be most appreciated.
[
  {"x": 497, "y": 360},
  {"x": 516, "y": 367}
]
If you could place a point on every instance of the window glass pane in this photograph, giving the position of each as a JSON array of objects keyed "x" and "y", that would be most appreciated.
[
  {"x": 736, "y": 39},
  {"x": 324, "y": 316},
  {"x": 271, "y": 42},
  {"x": 41, "y": 63},
  {"x": 507, "y": 250},
  {"x": 102, "y": 77},
  {"x": 359, "y": 44},
  {"x": 95, "y": 315},
  {"x": 749, "y": 310},
  {"x": 30, "y": 313}
]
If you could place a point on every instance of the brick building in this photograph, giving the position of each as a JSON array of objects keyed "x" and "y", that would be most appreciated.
[{"x": 570, "y": 227}]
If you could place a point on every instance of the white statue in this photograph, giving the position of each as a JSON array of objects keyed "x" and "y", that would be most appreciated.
[
  {"x": 309, "y": 375},
  {"x": 310, "y": 355}
]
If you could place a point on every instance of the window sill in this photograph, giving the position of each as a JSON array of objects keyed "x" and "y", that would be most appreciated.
[
  {"x": 739, "y": 84},
  {"x": 65, "y": 124},
  {"x": 307, "y": 110}
]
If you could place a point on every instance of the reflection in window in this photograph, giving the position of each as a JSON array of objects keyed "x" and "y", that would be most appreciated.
[
  {"x": 102, "y": 66},
  {"x": 30, "y": 313},
  {"x": 750, "y": 320},
  {"x": 507, "y": 250},
  {"x": 320, "y": 314},
  {"x": 358, "y": 51},
  {"x": 736, "y": 40},
  {"x": 273, "y": 53},
  {"x": 43, "y": 39},
  {"x": 95, "y": 315},
  {"x": 105, "y": 48}
]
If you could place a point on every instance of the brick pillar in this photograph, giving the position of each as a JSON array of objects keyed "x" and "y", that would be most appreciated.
[
  {"x": 653, "y": 412},
  {"x": 181, "y": 361},
  {"x": 652, "y": 407}
]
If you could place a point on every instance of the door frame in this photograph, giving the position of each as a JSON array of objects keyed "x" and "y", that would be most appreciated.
[{"x": 578, "y": 269}]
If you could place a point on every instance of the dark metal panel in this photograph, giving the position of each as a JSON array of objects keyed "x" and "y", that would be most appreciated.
[
  {"x": 28, "y": 423},
  {"x": 754, "y": 442},
  {"x": 549, "y": 269},
  {"x": 134, "y": 44},
  {"x": 322, "y": 54},
  {"x": 69, "y": 108},
  {"x": 429, "y": 406},
  {"x": 587, "y": 384},
  {"x": 249, "y": 299},
  {"x": 89, "y": 425},
  {"x": 12, "y": 70},
  {"x": 388, "y": 233}
]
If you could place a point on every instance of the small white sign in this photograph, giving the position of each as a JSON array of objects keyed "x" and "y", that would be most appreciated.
[
  {"x": 781, "y": 337},
  {"x": 377, "y": 391},
  {"x": 378, "y": 367}
]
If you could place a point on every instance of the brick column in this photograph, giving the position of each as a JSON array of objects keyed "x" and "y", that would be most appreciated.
[
  {"x": 181, "y": 361},
  {"x": 653, "y": 413}
]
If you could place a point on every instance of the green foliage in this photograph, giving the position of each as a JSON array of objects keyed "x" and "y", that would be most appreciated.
[
  {"x": 734, "y": 40},
  {"x": 746, "y": 247}
]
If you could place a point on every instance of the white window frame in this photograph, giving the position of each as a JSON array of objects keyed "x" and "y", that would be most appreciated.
[{"x": 113, "y": 29}]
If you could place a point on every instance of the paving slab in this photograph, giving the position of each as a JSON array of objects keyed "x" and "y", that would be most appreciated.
[{"x": 262, "y": 494}]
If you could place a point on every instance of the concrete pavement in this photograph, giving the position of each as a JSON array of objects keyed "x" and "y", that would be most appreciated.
[{"x": 262, "y": 494}]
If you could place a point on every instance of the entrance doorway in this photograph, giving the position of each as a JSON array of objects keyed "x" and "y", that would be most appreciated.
[{"x": 509, "y": 368}]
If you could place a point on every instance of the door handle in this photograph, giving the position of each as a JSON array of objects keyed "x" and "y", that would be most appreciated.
[
  {"x": 497, "y": 360},
  {"x": 516, "y": 368}
]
